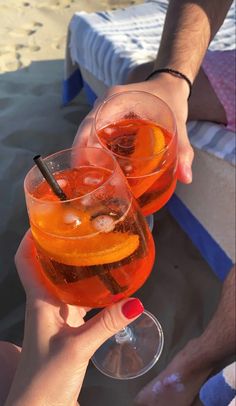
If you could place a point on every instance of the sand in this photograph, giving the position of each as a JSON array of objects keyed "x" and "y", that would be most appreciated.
[{"x": 182, "y": 291}]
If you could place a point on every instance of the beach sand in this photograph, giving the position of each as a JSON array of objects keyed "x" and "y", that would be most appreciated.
[{"x": 182, "y": 291}]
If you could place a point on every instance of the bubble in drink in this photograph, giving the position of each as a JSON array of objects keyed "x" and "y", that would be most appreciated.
[
  {"x": 87, "y": 201},
  {"x": 103, "y": 223}
]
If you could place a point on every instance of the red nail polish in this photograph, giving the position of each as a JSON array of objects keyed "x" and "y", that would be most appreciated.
[{"x": 132, "y": 308}]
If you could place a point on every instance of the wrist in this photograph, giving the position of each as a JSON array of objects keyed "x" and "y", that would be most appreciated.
[
  {"x": 37, "y": 394},
  {"x": 171, "y": 82}
]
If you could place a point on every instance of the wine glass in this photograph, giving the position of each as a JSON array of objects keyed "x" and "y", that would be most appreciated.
[
  {"x": 140, "y": 130},
  {"x": 95, "y": 248}
]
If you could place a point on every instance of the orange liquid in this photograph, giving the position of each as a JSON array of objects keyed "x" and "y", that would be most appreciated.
[
  {"x": 147, "y": 154},
  {"x": 83, "y": 265}
]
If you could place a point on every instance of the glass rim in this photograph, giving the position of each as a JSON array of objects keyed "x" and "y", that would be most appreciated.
[
  {"x": 149, "y": 94},
  {"x": 35, "y": 168}
]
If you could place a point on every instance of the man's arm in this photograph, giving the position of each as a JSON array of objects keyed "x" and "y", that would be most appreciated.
[{"x": 190, "y": 26}]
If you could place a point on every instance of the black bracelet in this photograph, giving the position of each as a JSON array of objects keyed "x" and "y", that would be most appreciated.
[{"x": 175, "y": 73}]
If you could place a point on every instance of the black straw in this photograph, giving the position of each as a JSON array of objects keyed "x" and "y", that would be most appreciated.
[{"x": 41, "y": 164}]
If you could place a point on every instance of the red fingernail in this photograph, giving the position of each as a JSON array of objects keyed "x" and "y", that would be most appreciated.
[{"x": 132, "y": 308}]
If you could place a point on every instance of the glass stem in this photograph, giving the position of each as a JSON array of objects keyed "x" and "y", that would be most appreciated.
[{"x": 124, "y": 336}]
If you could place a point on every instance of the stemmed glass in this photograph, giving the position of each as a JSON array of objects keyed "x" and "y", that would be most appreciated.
[
  {"x": 140, "y": 130},
  {"x": 95, "y": 248}
]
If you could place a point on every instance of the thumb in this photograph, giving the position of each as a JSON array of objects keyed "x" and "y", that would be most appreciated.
[
  {"x": 185, "y": 156},
  {"x": 85, "y": 129},
  {"x": 107, "y": 323},
  {"x": 83, "y": 132}
]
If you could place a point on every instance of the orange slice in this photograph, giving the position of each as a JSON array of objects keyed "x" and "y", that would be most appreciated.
[
  {"x": 140, "y": 185},
  {"x": 149, "y": 141},
  {"x": 100, "y": 249},
  {"x": 159, "y": 140}
]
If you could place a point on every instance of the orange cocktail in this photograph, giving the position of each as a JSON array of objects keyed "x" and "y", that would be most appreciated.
[
  {"x": 139, "y": 129},
  {"x": 95, "y": 247}
]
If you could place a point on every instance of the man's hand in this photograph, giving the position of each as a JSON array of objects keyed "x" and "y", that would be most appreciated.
[{"x": 174, "y": 92}]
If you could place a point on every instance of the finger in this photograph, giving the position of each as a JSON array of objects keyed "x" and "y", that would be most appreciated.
[
  {"x": 30, "y": 270},
  {"x": 185, "y": 157},
  {"x": 84, "y": 138},
  {"x": 107, "y": 323},
  {"x": 26, "y": 261},
  {"x": 9, "y": 359},
  {"x": 74, "y": 315},
  {"x": 40, "y": 291},
  {"x": 84, "y": 131},
  {"x": 84, "y": 135}
]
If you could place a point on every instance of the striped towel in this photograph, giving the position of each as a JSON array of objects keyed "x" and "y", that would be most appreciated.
[
  {"x": 220, "y": 390},
  {"x": 214, "y": 139}
]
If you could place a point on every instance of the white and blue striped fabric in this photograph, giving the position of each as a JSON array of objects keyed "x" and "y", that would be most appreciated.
[
  {"x": 220, "y": 389},
  {"x": 214, "y": 139},
  {"x": 110, "y": 44}
]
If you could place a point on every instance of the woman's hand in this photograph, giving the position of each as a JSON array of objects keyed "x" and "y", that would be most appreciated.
[
  {"x": 174, "y": 92},
  {"x": 57, "y": 342}
]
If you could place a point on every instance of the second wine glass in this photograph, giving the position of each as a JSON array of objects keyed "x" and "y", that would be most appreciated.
[{"x": 140, "y": 130}]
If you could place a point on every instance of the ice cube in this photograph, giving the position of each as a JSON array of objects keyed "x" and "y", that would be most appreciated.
[
  {"x": 109, "y": 130},
  {"x": 72, "y": 218},
  {"x": 92, "y": 179},
  {"x": 127, "y": 169},
  {"x": 103, "y": 223}
]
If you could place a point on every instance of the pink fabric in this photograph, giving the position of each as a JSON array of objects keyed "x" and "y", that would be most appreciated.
[{"x": 219, "y": 66}]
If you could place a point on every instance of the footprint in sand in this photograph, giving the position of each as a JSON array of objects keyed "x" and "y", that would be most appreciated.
[
  {"x": 5, "y": 102},
  {"x": 23, "y": 57},
  {"x": 25, "y": 30},
  {"x": 13, "y": 87},
  {"x": 32, "y": 48},
  {"x": 6, "y": 50},
  {"x": 16, "y": 57},
  {"x": 59, "y": 43},
  {"x": 9, "y": 64},
  {"x": 55, "y": 4},
  {"x": 37, "y": 24},
  {"x": 19, "y": 46}
]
